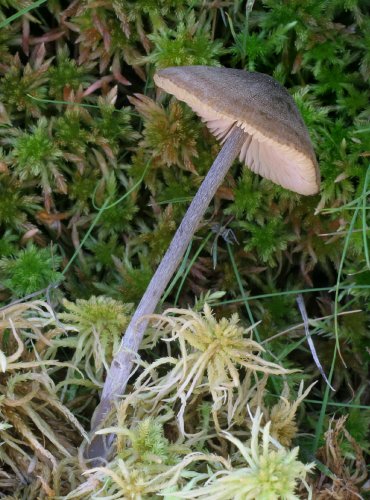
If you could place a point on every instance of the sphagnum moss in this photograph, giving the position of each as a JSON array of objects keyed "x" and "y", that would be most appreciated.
[
  {"x": 319, "y": 51},
  {"x": 98, "y": 322},
  {"x": 272, "y": 472},
  {"x": 211, "y": 355},
  {"x": 38, "y": 431}
]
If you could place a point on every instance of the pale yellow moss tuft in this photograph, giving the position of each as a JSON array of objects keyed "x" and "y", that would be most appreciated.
[{"x": 272, "y": 472}]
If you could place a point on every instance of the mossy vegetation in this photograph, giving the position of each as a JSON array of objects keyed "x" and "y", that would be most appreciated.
[{"x": 96, "y": 170}]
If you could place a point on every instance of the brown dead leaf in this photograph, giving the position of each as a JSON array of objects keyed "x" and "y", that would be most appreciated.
[{"x": 349, "y": 472}]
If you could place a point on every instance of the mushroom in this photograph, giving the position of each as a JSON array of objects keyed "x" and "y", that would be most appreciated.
[
  {"x": 255, "y": 118},
  {"x": 277, "y": 145}
]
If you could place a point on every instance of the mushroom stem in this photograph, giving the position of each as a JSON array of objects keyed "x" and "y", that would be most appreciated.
[{"x": 121, "y": 366}]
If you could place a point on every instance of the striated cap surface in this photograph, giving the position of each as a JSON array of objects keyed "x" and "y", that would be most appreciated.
[{"x": 278, "y": 145}]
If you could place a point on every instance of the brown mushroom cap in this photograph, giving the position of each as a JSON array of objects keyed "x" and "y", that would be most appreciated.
[{"x": 278, "y": 146}]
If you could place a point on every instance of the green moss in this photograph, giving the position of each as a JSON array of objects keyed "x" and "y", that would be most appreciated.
[
  {"x": 268, "y": 240},
  {"x": 7, "y": 244},
  {"x": 30, "y": 270},
  {"x": 20, "y": 85},
  {"x": 34, "y": 151},
  {"x": 66, "y": 74},
  {"x": 94, "y": 149},
  {"x": 71, "y": 134},
  {"x": 185, "y": 45},
  {"x": 103, "y": 250},
  {"x": 114, "y": 126},
  {"x": 15, "y": 205},
  {"x": 249, "y": 198},
  {"x": 82, "y": 187}
]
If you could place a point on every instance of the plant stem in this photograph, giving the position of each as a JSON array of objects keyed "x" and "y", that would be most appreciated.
[{"x": 121, "y": 366}]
